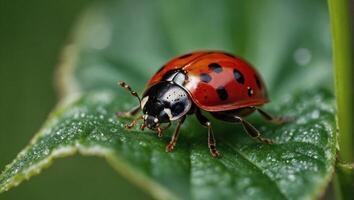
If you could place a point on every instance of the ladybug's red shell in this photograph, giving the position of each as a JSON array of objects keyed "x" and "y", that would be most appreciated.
[{"x": 217, "y": 81}]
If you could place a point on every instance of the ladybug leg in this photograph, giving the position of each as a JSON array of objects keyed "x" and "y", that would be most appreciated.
[
  {"x": 211, "y": 139},
  {"x": 175, "y": 135},
  {"x": 272, "y": 119},
  {"x": 252, "y": 131},
  {"x": 133, "y": 123},
  {"x": 130, "y": 113}
]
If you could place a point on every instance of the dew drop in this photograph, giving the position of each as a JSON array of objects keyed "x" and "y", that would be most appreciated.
[
  {"x": 315, "y": 114},
  {"x": 46, "y": 152},
  {"x": 291, "y": 177},
  {"x": 302, "y": 56},
  {"x": 141, "y": 143}
]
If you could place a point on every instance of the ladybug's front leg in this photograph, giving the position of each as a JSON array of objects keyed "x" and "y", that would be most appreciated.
[
  {"x": 132, "y": 124},
  {"x": 211, "y": 139},
  {"x": 174, "y": 138}
]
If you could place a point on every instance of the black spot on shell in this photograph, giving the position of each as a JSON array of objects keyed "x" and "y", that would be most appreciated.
[
  {"x": 249, "y": 91},
  {"x": 222, "y": 93},
  {"x": 215, "y": 67},
  {"x": 185, "y": 56},
  {"x": 258, "y": 82},
  {"x": 239, "y": 76},
  {"x": 205, "y": 77}
]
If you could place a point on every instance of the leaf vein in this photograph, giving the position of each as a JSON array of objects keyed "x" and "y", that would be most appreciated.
[{"x": 258, "y": 168}]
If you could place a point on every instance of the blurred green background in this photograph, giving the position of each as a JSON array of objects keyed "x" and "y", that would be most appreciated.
[{"x": 32, "y": 34}]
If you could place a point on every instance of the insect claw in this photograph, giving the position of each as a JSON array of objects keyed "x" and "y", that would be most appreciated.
[
  {"x": 133, "y": 123},
  {"x": 129, "y": 126},
  {"x": 142, "y": 126},
  {"x": 214, "y": 153},
  {"x": 159, "y": 132},
  {"x": 169, "y": 147}
]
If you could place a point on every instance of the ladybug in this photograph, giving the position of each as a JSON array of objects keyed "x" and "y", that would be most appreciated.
[{"x": 217, "y": 82}]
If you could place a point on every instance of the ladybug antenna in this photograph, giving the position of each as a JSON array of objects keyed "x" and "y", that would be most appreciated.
[{"x": 127, "y": 87}]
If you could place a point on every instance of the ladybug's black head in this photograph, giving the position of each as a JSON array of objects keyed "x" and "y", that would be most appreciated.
[
  {"x": 164, "y": 102},
  {"x": 154, "y": 113}
]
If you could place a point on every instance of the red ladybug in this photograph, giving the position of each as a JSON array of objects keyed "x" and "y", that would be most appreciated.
[{"x": 216, "y": 82}]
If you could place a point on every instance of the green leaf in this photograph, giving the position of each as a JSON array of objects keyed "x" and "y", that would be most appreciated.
[{"x": 129, "y": 40}]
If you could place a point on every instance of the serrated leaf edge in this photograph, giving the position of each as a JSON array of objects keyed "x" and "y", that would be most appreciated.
[{"x": 151, "y": 187}]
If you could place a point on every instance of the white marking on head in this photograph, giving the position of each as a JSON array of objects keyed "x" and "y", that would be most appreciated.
[
  {"x": 143, "y": 101},
  {"x": 179, "y": 78},
  {"x": 168, "y": 112},
  {"x": 156, "y": 120}
]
